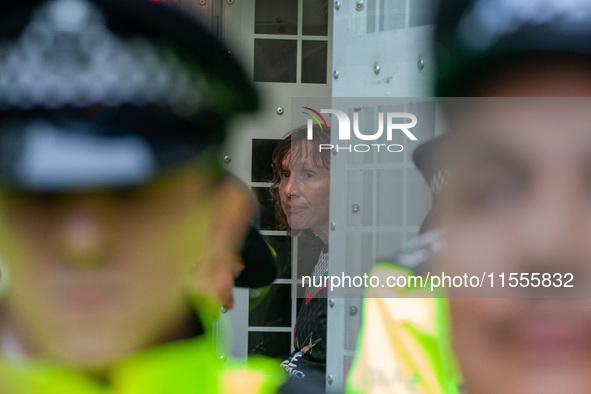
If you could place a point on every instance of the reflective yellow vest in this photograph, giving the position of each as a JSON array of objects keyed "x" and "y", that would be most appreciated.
[
  {"x": 403, "y": 345},
  {"x": 180, "y": 367}
]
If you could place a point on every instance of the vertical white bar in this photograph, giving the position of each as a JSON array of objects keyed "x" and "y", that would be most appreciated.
[{"x": 239, "y": 322}]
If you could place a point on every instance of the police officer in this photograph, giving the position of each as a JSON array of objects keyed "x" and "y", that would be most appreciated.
[
  {"x": 515, "y": 198},
  {"x": 112, "y": 200}
]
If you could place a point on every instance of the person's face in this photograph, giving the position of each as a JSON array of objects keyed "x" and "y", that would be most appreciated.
[
  {"x": 96, "y": 276},
  {"x": 217, "y": 274},
  {"x": 519, "y": 200},
  {"x": 303, "y": 191}
]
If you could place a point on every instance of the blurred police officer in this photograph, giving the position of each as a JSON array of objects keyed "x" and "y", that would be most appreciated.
[
  {"x": 114, "y": 217},
  {"x": 515, "y": 198}
]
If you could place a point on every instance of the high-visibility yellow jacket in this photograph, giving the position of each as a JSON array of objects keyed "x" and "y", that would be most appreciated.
[
  {"x": 403, "y": 345},
  {"x": 187, "y": 366}
]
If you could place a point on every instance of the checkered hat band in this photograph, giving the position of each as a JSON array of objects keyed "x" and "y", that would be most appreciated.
[{"x": 67, "y": 57}]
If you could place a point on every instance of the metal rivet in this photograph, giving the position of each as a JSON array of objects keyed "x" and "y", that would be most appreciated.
[
  {"x": 280, "y": 111},
  {"x": 355, "y": 208},
  {"x": 337, "y": 5},
  {"x": 359, "y": 5},
  {"x": 353, "y": 311},
  {"x": 331, "y": 302},
  {"x": 333, "y": 226},
  {"x": 335, "y": 74},
  {"x": 223, "y": 309},
  {"x": 376, "y": 69},
  {"x": 227, "y": 159},
  {"x": 421, "y": 63},
  {"x": 223, "y": 359},
  {"x": 329, "y": 379},
  {"x": 230, "y": 2}
]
